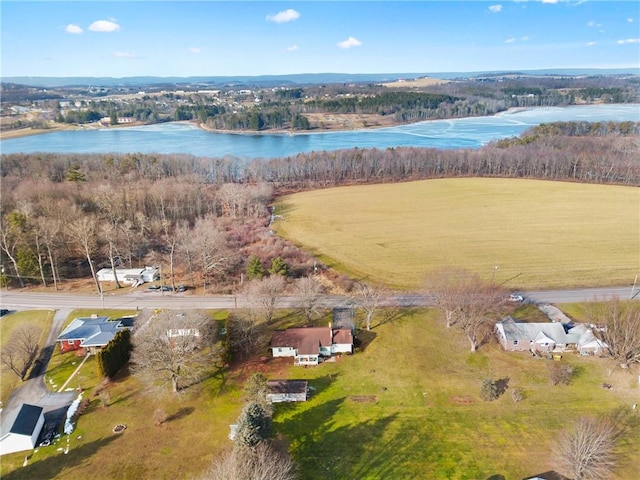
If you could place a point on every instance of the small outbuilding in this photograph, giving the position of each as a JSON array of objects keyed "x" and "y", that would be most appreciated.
[
  {"x": 287, "y": 391},
  {"x": 24, "y": 430}
]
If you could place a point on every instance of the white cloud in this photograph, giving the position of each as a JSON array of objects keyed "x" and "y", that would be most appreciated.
[
  {"x": 630, "y": 20},
  {"x": 549, "y": 1},
  {"x": 124, "y": 55},
  {"x": 495, "y": 8},
  {"x": 350, "y": 42},
  {"x": 510, "y": 40},
  {"x": 195, "y": 50},
  {"x": 591, "y": 44},
  {"x": 524, "y": 39},
  {"x": 593, "y": 24},
  {"x": 104, "y": 26},
  {"x": 74, "y": 29},
  {"x": 284, "y": 16},
  {"x": 292, "y": 48},
  {"x": 628, "y": 40}
]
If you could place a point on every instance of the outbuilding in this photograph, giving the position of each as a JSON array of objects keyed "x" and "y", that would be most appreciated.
[
  {"x": 24, "y": 430},
  {"x": 287, "y": 391}
]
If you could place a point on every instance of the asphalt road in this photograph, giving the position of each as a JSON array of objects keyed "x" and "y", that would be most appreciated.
[{"x": 17, "y": 300}]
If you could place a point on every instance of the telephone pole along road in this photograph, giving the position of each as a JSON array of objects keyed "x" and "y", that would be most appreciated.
[{"x": 16, "y": 300}]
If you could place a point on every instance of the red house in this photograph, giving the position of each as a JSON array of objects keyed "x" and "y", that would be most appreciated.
[{"x": 91, "y": 333}]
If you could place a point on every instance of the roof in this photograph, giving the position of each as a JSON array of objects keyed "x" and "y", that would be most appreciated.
[
  {"x": 550, "y": 475},
  {"x": 530, "y": 332},
  {"x": 287, "y": 386},
  {"x": 27, "y": 419},
  {"x": 92, "y": 332},
  {"x": 308, "y": 340}
]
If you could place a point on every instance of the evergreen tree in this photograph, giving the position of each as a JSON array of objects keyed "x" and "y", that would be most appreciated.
[
  {"x": 254, "y": 426},
  {"x": 279, "y": 267},
  {"x": 254, "y": 269}
]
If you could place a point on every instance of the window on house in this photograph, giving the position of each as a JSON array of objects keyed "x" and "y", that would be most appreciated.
[
  {"x": 70, "y": 342},
  {"x": 515, "y": 342}
]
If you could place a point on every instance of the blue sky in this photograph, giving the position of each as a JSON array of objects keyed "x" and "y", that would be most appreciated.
[{"x": 211, "y": 38}]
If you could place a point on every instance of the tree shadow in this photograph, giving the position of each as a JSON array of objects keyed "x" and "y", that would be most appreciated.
[
  {"x": 363, "y": 339},
  {"x": 502, "y": 385},
  {"x": 182, "y": 413},
  {"x": 51, "y": 467}
]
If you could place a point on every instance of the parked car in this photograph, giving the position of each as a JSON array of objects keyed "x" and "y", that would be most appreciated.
[
  {"x": 167, "y": 288},
  {"x": 181, "y": 288},
  {"x": 153, "y": 287},
  {"x": 4, "y": 311},
  {"x": 516, "y": 298}
]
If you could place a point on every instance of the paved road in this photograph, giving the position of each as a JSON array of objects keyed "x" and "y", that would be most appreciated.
[{"x": 151, "y": 299}]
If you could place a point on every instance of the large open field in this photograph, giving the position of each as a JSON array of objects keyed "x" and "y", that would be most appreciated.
[{"x": 524, "y": 233}]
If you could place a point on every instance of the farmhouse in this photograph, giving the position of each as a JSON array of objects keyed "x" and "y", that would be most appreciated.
[
  {"x": 581, "y": 338},
  {"x": 129, "y": 276},
  {"x": 91, "y": 333},
  {"x": 287, "y": 391},
  {"x": 24, "y": 431},
  {"x": 534, "y": 337},
  {"x": 309, "y": 345}
]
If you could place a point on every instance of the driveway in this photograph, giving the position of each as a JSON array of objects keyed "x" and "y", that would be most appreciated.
[{"x": 34, "y": 390}]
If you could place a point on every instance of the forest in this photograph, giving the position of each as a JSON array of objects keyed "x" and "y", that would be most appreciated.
[{"x": 208, "y": 219}]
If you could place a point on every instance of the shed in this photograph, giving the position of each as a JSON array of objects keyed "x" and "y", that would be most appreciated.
[
  {"x": 24, "y": 431},
  {"x": 287, "y": 391}
]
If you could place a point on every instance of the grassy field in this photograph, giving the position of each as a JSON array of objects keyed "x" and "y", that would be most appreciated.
[
  {"x": 406, "y": 406},
  {"x": 537, "y": 233},
  {"x": 41, "y": 319}
]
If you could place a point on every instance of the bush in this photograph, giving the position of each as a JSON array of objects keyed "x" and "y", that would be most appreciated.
[
  {"x": 560, "y": 373},
  {"x": 489, "y": 390}
]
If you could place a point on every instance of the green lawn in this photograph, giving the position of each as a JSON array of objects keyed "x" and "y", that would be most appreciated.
[
  {"x": 407, "y": 406},
  {"x": 537, "y": 233},
  {"x": 40, "y": 318}
]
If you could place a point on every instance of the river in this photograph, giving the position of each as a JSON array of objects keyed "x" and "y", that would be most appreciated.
[{"x": 186, "y": 138}]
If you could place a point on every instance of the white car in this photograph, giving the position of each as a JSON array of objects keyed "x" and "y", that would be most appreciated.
[{"x": 516, "y": 298}]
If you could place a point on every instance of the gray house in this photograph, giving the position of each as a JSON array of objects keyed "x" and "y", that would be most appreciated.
[{"x": 534, "y": 337}]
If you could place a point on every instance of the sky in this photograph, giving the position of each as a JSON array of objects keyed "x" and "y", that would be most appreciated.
[{"x": 122, "y": 38}]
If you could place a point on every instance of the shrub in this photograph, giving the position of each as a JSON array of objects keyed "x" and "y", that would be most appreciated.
[
  {"x": 489, "y": 390},
  {"x": 560, "y": 373}
]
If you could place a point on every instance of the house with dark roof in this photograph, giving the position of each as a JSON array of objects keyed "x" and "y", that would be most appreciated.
[
  {"x": 310, "y": 345},
  {"x": 91, "y": 333},
  {"x": 287, "y": 391},
  {"x": 24, "y": 430}
]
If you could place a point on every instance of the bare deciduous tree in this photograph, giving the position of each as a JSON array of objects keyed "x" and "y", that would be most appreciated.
[
  {"x": 263, "y": 462},
  {"x": 447, "y": 288},
  {"x": 308, "y": 291},
  {"x": 589, "y": 451},
  {"x": 242, "y": 334},
  {"x": 368, "y": 298},
  {"x": 174, "y": 347},
  {"x": 618, "y": 326},
  {"x": 468, "y": 301},
  {"x": 262, "y": 295},
  {"x": 83, "y": 230},
  {"x": 21, "y": 349}
]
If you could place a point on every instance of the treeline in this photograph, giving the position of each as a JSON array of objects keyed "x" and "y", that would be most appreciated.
[{"x": 67, "y": 215}]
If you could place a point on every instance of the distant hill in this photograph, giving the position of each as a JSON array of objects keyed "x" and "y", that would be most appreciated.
[{"x": 296, "y": 79}]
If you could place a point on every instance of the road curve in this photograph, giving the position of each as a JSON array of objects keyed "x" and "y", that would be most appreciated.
[{"x": 18, "y": 300}]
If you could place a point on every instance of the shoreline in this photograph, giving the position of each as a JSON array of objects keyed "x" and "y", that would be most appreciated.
[{"x": 26, "y": 132}]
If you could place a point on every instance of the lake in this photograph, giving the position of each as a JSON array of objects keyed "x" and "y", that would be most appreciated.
[{"x": 186, "y": 138}]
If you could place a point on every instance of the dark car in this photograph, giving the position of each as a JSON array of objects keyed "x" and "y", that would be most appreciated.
[
  {"x": 153, "y": 287},
  {"x": 4, "y": 311},
  {"x": 167, "y": 288}
]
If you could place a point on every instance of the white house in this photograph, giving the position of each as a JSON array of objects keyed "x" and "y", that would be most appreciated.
[
  {"x": 129, "y": 276},
  {"x": 24, "y": 430},
  {"x": 581, "y": 337},
  {"x": 308, "y": 345}
]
